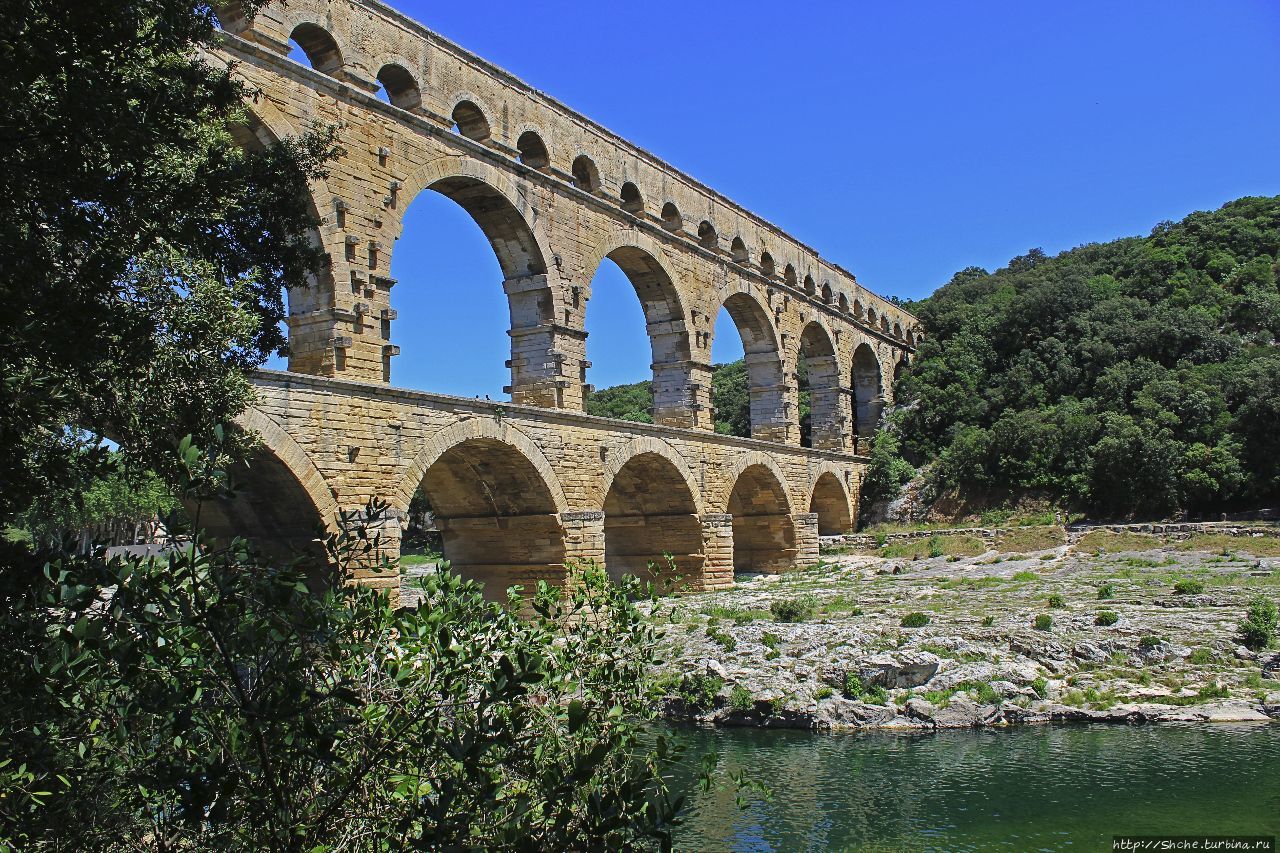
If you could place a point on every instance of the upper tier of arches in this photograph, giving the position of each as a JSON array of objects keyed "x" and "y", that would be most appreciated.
[{"x": 370, "y": 47}]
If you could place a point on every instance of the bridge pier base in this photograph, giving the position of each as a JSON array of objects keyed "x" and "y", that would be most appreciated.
[
  {"x": 805, "y": 525},
  {"x": 717, "y": 549}
]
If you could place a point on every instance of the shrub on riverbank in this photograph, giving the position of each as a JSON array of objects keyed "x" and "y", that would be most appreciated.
[{"x": 1258, "y": 628}]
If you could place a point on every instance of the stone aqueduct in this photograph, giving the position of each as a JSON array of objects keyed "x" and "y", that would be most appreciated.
[{"x": 520, "y": 489}]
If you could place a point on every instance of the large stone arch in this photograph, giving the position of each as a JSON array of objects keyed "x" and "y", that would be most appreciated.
[
  {"x": 476, "y": 428},
  {"x": 644, "y": 263},
  {"x": 770, "y": 420},
  {"x": 743, "y": 461},
  {"x": 764, "y": 533},
  {"x": 280, "y": 500},
  {"x": 509, "y": 220},
  {"x": 652, "y": 510},
  {"x": 829, "y": 501},
  {"x": 816, "y": 347},
  {"x": 619, "y": 457},
  {"x": 497, "y": 505},
  {"x": 867, "y": 381}
]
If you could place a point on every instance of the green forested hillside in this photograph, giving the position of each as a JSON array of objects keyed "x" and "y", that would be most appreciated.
[
  {"x": 1136, "y": 377},
  {"x": 729, "y": 395}
]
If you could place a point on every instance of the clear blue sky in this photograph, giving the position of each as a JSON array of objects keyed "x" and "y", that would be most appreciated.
[{"x": 904, "y": 141}]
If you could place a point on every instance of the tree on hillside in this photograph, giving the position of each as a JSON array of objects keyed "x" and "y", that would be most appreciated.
[{"x": 1135, "y": 377}]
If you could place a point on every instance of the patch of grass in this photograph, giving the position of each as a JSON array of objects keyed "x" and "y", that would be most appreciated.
[
  {"x": 984, "y": 582},
  {"x": 1145, "y": 563},
  {"x": 840, "y": 604},
  {"x": 988, "y": 621},
  {"x": 823, "y": 692},
  {"x": 1025, "y": 575},
  {"x": 798, "y": 609},
  {"x": 1040, "y": 686},
  {"x": 961, "y": 546},
  {"x": 1202, "y": 656},
  {"x": 740, "y": 698},
  {"x": 1114, "y": 543},
  {"x": 1188, "y": 586},
  {"x": 1043, "y": 622},
  {"x": 736, "y": 615},
  {"x": 1032, "y": 539},
  {"x": 720, "y": 638},
  {"x": 420, "y": 559},
  {"x": 1107, "y": 590},
  {"x": 1211, "y": 543},
  {"x": 938, "y": 698},
  {"x": 1253, "y": 680},
  {"x": 1056, "y": 601},
  {"x": 983, "y": 692},
  {"x": 1091, "y": 697},
  {"x": 935, "y": 649},
  {"x": 915, "y": 619},
  {"x": 1106, "y": 618}
]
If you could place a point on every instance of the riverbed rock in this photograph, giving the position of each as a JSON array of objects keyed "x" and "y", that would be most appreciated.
[
  {"x": 1089, "y": 651},
  {"x": 909, "y": 668}
]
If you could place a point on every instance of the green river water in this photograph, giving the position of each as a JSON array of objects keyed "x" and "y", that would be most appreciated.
[{"x": 1031, "y": 788}]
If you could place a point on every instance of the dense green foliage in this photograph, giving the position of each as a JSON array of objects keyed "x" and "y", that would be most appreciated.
[
  {"x": 213, "y": 700},
  {"x": 1136, "y": 377},
  {"x": 145, "y": 251},
  {"x": 116, "y": 495}
]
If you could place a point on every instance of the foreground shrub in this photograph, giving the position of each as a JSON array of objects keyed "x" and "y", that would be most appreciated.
[
  {"x": 1106, "y": 617},
  {"x": 1044, "y": 622},
  {"x": 740, "y": 698},
  {"x": 218, "y": 700},
  {"x": 1188, "y": 586},
  {"x": 798, "y": 609},
  {"x": 1057, "y": 601},
  {"x": 1107, "y": 590},
  {"x": 1258, "y": 628},
  {"x": 915, "y": 619}
]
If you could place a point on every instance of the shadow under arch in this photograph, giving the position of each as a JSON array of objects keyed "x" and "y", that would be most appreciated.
[
  {"x": 497, "y": 504},
  {"x": 817, "y": 353},
  {"x": 764, "y": 537},
  {"x": 868, "y": 391},
  {"x": 280, "y": 502},
  {"x": 651, "y": 510},
  {"x": 770, "y": 419},
  {"x": 642, "y": 263},
  {"x": 831, "y": 504}
]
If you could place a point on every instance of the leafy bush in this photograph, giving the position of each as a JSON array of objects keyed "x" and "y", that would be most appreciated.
[
  {"x": 740, "y": 699},
  {"x": 1258, "y": 628},
  {"x": 915, "y": 619},
  {"x": 1106, "y": 618},
  {"x": 798, "y": 609},
  {"x": 1188, "y": 586},
  {"x": 988, "y": 621},
  {"x": 1040, "y": 686},
  {"x": 264, "y": 714},
  {"x": 1106, "y": 590},
  {"x": 1057, "y": 601},
  {"x": 935, "y": 546},
  {"x": 700, "y": 690},
  {"x": 1043, "y": 622},
  {"x": 823, "y": 692},
  {"x": 1202, "y": 656},
  {"x": 722, "y": 639}
]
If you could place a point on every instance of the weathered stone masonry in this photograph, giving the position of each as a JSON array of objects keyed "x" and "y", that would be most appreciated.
[{"x": 523, "y": 488}]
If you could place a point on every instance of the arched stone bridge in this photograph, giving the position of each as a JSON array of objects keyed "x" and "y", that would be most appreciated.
[{"x": 522, "y": 488}]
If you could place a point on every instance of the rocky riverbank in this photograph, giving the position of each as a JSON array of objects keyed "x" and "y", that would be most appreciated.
[{"x": 949, "y": 632}]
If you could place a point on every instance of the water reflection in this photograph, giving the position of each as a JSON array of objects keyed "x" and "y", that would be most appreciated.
[{"x": 1034, "y": 788}]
